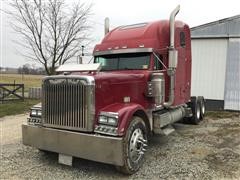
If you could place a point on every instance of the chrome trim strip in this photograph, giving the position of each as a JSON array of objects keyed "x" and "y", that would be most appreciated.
[
  {"x": 90, "y": 80},
  {"x": 123, "y": 51},
  {"x": 133, "y": 26},
  {"x": 109, "y": 114}
]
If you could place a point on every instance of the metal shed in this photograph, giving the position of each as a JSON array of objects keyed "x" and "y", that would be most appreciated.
[{"x": 216, "y": 63}]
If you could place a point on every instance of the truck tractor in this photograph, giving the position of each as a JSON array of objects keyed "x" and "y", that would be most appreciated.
[{"x": 106, "y": 111}]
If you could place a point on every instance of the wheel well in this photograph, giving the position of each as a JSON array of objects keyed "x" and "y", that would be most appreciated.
[{"x": 143, "y": 115}]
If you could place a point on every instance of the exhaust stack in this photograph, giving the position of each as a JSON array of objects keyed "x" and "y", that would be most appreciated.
[
  {"x": 106, "y": 25},
  {"x": 172, "y": 27},
  {"x": 172, "y": 58}
]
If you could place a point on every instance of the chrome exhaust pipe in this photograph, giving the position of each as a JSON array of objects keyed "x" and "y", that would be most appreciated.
[
  {"x": 172, "y": 58},
  {"x": 106, "y": 25},
  {"x": 172, "y": 27}
]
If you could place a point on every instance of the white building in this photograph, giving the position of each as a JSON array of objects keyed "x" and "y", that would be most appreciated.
[{"x": 216, "y": 63}]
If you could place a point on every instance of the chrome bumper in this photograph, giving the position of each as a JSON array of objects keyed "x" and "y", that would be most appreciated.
[{"x": 87, "y": 146}]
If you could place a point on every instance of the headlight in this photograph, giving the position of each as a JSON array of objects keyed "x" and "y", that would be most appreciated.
[
  {"x": 103, "y": 119},
  {"x": 35, "y": 116},
  {"x": 33, "y": 112},
  {"x": 112, "y": 121},
  {"x": 36, "y": 113},
  {"x": 39, "y": 113},
  {"x": 108, "y": 118}
]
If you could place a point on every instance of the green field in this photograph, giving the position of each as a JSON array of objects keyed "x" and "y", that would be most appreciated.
[
  {"x": 27, "y": 80},
  {"x": 16, "y": 107}
]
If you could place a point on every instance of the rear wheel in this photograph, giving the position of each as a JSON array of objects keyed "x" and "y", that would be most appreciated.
[
  {"x": 196, "y": 111},
  {"x": 135, "y": 143},
  {"x": 202, "y": 107}
]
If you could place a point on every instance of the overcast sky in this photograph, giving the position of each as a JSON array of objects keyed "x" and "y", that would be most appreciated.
[{"x": 123, "y": 12}]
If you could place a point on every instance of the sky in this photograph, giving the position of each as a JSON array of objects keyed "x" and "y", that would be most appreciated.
[{"x": 123, "y": 12}]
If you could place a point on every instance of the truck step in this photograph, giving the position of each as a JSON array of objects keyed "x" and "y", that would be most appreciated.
[{"x": 168, "y": 130}]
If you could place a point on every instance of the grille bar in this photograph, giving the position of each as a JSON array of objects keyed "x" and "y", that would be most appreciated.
[{"x": 66, "y": 104}]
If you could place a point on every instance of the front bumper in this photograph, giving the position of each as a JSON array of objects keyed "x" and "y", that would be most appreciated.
[{"x": 87, "y": 146}]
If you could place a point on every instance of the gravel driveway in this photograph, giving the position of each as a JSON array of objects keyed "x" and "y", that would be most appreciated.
[{"x": 210, "y": 150}]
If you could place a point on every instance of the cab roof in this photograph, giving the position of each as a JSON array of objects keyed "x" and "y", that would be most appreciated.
[{"x": 153, "y": 35}]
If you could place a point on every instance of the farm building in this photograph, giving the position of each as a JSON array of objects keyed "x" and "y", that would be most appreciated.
[{"x": 216, "y": 63}]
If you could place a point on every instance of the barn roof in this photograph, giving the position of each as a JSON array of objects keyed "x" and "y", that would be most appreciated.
[{"x": 224, "y": 28}]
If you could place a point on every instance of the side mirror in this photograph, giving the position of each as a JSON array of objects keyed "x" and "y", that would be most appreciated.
[{"x": 173, "y": 58}]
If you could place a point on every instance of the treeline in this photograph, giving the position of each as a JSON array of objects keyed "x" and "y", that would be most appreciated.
[
  {"x": 31, "y": 69},
  {"x": 24, "y": 69}
]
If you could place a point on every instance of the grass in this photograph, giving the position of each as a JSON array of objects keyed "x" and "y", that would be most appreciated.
[
  {"x": 27, "y": 80},
  {"x": 17, "y": 107}
]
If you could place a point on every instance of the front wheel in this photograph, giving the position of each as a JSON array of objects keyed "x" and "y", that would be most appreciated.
[{"x": 134, "y": 144}]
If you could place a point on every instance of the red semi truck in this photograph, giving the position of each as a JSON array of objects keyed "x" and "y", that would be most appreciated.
[{"x": 138, "y": 85}]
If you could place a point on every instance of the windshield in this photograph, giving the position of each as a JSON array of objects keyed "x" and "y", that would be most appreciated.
[{"x": 123, "y": 61}]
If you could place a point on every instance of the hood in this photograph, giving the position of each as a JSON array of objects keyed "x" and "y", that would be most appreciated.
[
  {"x": 116, "y": 77},
  {"x": 112, "y": 87}
]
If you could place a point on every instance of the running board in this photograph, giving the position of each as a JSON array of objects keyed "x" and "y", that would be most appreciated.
[{"x": 162, "y": 121}]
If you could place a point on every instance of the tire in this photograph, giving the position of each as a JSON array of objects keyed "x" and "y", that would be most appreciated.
[
  {"x": 196, "y": 111},
  {"x": 202, "y": 107},
  {"x": 134, "y": 144}
]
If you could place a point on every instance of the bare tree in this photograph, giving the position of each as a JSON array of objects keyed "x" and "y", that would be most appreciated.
[{"x": 52, "y": 32}]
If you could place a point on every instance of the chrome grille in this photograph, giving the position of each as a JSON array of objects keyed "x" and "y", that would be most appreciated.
[{"x": 68, "y": 103}]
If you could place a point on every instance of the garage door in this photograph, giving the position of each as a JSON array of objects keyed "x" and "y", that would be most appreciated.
[{"x": 208, "y": 67}]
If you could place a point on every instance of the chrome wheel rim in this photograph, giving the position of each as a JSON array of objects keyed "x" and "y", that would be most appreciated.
[
  {"x": 198, "y": 112},
  {"x": 203, "y": 108},
  {"x": 137, "y": 145}
]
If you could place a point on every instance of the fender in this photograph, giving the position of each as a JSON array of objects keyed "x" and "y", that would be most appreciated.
[{"x": 125, "y": 113}]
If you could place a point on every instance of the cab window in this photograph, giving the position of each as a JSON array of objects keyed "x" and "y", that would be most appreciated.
[
  {"x": 131, "y": 61},
  {"x": 182, "y": 39},
  {"x": 157, "y": 64}
]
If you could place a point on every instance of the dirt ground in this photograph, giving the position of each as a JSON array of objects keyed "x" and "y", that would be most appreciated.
[{"x": 210, "y": 150}]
